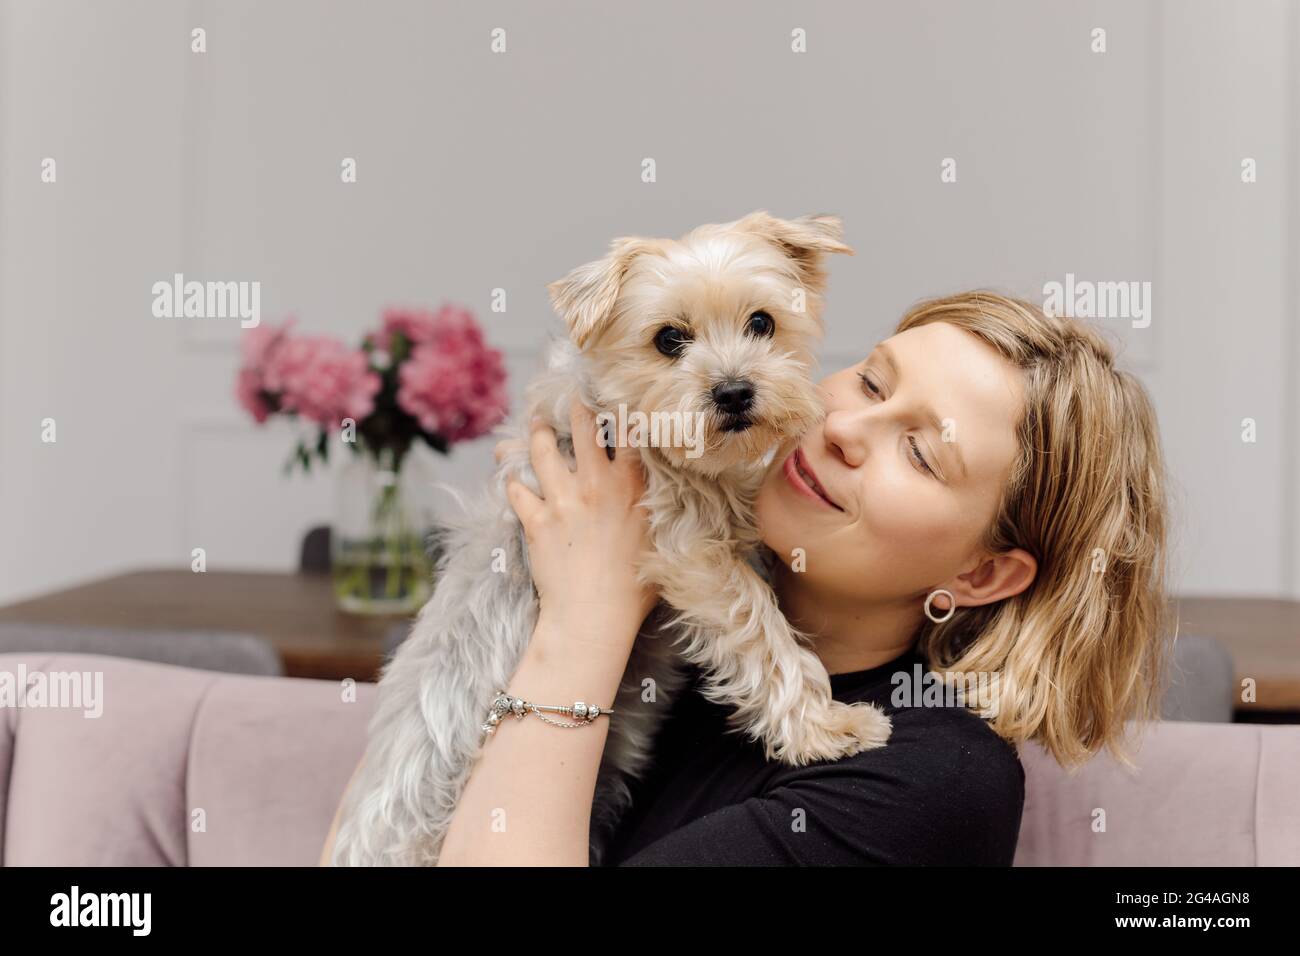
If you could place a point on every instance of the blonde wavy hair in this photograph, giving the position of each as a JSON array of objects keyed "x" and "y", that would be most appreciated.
[{"x": 1084, "y": 649}]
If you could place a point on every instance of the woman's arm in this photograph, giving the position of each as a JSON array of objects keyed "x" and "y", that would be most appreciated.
[{"x": 528, "y": 799}]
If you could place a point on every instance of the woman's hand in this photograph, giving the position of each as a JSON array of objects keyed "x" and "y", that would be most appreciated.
[{"x": 586, "y": 533}]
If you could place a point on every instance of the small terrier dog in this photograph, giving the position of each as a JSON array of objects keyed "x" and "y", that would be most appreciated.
[{"x": 721, "y": 324}]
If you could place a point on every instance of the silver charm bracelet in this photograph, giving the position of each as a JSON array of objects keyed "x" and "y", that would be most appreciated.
[{"x": 504, "y": 704}]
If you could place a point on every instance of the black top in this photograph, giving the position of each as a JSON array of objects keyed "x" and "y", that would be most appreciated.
[{"x": 945, "y": 790}]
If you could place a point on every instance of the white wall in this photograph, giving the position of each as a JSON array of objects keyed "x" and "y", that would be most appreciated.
[{"x": 480, "y": 171}]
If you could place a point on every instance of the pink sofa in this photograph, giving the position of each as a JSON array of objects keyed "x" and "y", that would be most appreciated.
[{"x": 189, "y": 767}]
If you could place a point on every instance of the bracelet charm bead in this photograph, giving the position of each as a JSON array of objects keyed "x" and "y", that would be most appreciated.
[{"x": 504, "y": 704}]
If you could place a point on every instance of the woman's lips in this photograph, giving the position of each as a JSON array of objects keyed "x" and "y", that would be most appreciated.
[{"x": 809, "y": 487}]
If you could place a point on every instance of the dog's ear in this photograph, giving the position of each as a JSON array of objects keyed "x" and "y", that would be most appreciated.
[
  {"x": 585, "y": 297},
  {"x": 804, "y": 240}
]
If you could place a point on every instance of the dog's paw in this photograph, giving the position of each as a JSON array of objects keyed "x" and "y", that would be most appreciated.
[
  {"x": 845, "y": 729},
  {"x": 864, "y": 723}
]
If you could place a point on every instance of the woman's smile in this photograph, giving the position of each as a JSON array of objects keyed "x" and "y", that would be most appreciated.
[{"x": 804, "y": 480}]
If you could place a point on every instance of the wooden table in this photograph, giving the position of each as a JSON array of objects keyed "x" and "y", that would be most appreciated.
[
  {"x": 296, "y": 613},
  {"x": 1263, "y": 637}
]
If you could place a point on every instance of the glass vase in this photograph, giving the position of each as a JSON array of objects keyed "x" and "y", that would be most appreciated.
[{"x": 378, "y": 553}]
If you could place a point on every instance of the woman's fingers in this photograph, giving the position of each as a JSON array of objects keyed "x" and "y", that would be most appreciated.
[
  {"x": 628, "y": 465},
  {"x": 525, "y": 504},
  {"x": 589, "y": 450},
  {"x": 507, "y": 447},
  {"x": 586, "y": 448},
  {"x": 592, "y": 459},
  {"x": 552, "y": 470}
]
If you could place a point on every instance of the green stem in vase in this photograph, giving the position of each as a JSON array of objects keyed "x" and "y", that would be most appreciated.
[
  {"x": 393, "y": 580},
  {"x": 386, "y": 526},
  {"x": 355, "y": 581}
]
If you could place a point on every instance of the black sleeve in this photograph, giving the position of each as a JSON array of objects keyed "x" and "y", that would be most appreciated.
[{"x": 941, "y": 801}]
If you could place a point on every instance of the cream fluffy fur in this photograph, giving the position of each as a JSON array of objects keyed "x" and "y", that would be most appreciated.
[{"x": 718, "y": 610}]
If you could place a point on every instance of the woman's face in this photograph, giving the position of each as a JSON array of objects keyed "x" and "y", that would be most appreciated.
[{"x": 906, "y": 470}]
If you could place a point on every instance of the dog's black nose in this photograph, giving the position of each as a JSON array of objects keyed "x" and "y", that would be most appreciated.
[{"x": 733, "y": 397}]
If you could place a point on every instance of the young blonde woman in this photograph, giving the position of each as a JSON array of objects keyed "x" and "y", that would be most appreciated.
[{"x": 984, "y": 499}]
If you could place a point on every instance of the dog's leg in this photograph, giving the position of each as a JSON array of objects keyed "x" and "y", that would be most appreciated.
[{"x": 753, "y": 660}]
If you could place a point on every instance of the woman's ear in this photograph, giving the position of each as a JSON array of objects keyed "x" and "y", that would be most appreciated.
[
  {"x": 585, "y": 297},
  {"x": 995, "y": 578}
]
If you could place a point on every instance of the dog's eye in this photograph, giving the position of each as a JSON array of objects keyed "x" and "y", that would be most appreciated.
[
  {"x": 672, "y": 341},
  {"x": 761, "y": 324}
]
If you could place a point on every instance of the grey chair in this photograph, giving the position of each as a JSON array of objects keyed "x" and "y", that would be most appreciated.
[
  {"x": 229, "y": 652},
  {"x": 314, "y": 557},
  {"x": 1202, "y": 682}
]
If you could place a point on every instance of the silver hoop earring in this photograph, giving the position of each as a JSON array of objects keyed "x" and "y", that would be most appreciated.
[{"x": 952, "y": 606}]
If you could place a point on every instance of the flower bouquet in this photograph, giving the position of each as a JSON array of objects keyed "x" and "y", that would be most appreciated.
[{"x": 422, "y": 376}]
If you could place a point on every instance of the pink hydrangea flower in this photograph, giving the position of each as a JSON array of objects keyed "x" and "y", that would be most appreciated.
[
  {"x": 322, "y": 380},
  {"x": 256, "y": 347},
  {"x": 453, "y": 384},
  {"x": 417, "y": 325}
]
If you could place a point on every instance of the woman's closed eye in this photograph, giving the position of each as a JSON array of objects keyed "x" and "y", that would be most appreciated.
[{"x": 873, "y": 390}]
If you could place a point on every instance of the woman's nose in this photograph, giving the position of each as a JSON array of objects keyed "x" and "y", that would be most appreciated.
[{"x": 844, "y": 437}]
